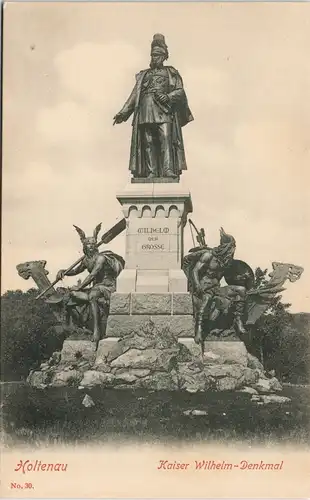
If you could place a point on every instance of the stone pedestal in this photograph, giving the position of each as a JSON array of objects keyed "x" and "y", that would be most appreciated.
[
  {"x": 153, "y": 286},
  {"x": 131, "y": 312},
  {"x": 156, "y": 215}
]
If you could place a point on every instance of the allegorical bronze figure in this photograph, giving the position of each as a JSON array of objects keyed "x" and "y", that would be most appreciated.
[
  {"x": 87, "y": 304},
  {"x": 159, "y": 106},
  {"x": 103, "y": 268},
  {"x": 205, "y": 267},
  {"x": 240, "y": 301}
]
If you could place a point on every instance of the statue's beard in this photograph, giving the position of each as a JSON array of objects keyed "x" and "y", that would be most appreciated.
[
  {"x": 156, "y": 64},
  {"x": 90, "y": 252}
]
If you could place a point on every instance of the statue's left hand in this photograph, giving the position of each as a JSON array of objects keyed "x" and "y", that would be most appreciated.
[{"x": 163, "y": 98}]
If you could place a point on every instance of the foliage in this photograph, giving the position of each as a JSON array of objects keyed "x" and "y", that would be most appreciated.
[
  {"x": 284, "y": 347},
  {"x": 28, "y": 333},
  {"x": 57, "y": 416}
]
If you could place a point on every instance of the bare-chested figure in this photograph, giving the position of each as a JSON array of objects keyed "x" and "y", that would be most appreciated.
[
  {"x": 205, "y": 267},
  {"x": 103, "y": 268}
]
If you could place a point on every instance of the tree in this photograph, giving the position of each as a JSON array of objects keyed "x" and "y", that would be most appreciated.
[
  {"x": 28, "y": 333},
  {"x": 283, "y": 346}
]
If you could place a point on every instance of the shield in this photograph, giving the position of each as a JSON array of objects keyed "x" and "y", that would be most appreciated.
[{"x": 239, "y": 273}]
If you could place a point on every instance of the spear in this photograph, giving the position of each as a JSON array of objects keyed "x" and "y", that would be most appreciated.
[{"x": 105, "y": 239}]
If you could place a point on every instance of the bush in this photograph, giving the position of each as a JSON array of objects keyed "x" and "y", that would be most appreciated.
[
  {"x": 28, "y": 333},
  {"x": 283, "y": 339}
]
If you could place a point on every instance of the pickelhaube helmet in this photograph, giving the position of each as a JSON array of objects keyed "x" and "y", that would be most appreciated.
[{"x": 159, "y": 46}]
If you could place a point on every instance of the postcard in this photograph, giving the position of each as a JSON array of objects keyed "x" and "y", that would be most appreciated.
[{"x": 155, "y": 304}]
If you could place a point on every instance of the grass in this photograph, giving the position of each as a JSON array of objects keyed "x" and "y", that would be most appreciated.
[{"x": 57, "y": 416}]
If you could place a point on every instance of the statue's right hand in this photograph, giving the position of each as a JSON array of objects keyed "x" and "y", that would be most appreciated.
[
  {"x": 61, "y": 274},
  {"x": 119, "y": 118}
]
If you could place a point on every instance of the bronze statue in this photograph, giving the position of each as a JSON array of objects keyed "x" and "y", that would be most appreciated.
[
  {"x": 159, "y": 106},
  {"x": 86, "y": 305},
  {"x": 240, "y": 299},
  {"x": 205, "y": 267},
  {"x": 103, "y": 268}
]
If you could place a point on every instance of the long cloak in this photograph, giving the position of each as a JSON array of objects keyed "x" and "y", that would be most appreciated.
[{"x": 181, "y": 116}]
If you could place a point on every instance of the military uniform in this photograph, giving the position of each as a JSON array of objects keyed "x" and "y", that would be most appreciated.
[{"x": 155, "y": 121}]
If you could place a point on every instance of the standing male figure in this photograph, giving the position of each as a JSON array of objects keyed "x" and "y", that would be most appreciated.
[{"x": 159, "y": 107}]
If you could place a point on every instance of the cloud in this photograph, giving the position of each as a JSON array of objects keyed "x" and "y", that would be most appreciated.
[
  {"x": 67, "y": 121},
  {"x": 80, "y": 128},
  {"x": 89, "y": 72},
  {"x": 213, "y": 84}
]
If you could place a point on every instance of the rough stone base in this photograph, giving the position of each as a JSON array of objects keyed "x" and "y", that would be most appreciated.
[{"x": 153, "y": 358}]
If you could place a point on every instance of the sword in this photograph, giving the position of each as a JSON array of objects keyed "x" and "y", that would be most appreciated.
[
  {"x": 105, "y": 239},
  {"x": 200, "y": 234}
]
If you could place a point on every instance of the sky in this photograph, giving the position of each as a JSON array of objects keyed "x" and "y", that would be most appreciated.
[{"x": 68, "y": 69}]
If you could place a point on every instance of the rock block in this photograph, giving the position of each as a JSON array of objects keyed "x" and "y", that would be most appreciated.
[
  {"x": 126, "y": 378},
  {"x": 182, "y": 303},
  {"x": 191, "y": 378},
  {"x": 102, "y": 367},
  {"x": 248, "y": 390},
  {"x": 156, "y": 359},
  {"x": 190, "y": 344},
  {"x": 275, "y": 384},
  {"x": 67, "y": 378},
  {"x": 136, "y": 372},
  {"x": 77, "y": 350},
  {"x": 105, "y": 348},
  {"x": 151, "y": 303},
  {"x": 224, "y": 371},
  {"x": 159, "y": 381},
  {"x": 120, "y": 303},
  {"x": 250, "y": 376},
  {"x": 39, "y": 379},
  {"x": 225, "y": 352},
  {"x": 267, "y": 386},
  {"x": 228, "y": 384},
  {"x": 92, "y": 378},
  {"x": 273, "y": 398},
  {"x": 254, "y": 363}
]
